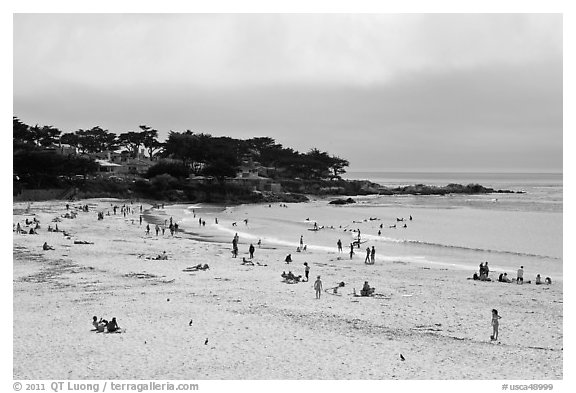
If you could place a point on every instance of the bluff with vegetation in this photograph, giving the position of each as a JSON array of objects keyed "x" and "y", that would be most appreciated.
[{"x": 38, "y": 164}]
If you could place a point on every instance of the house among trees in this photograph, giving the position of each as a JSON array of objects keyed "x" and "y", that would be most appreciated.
[{"x": 250, "y": 175}]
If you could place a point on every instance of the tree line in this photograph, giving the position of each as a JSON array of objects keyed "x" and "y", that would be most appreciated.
[{"x": 180, "y": 155}]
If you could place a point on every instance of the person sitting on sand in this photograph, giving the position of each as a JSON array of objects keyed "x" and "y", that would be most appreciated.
[
  {"x": 548, "y": 281},
  {"x": 46, "y": 247},
  {"x": 95, "y": 322},
  {"x": 284, "y": 275},
  {"x": 288, "y": 258},
  {"x": 366, "y": 290},
  {"x": 112, "y": 326},
  {"x": 538, "y": 280},
  {"x": 32, "y": 232},
  {"x": 100, "y": 325},
  {"x": 246, "y": 262}
]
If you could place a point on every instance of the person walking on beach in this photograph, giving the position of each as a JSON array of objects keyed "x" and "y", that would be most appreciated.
[
  {"x": 367, "y": 259},
  {"x": 147, "y": 229},
  {"x": 351, "y": 250},
  {"x": 520, "y": 275},
  {"x": 495, "y": 318},
  {"x": 251, "y": 251},
  {"x": 306, "y": 270},
  {"x": 339, "y": 244},
  {"x": 373, "y": 254},
  {"x": 318, "y": 287}
]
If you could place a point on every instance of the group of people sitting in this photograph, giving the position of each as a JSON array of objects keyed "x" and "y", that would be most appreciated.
[
  {"x": 100, "y": 325},
  {"x": 72, "y": 214},
  {"x": 483, "y": 272},
  {"x": 290, "y": 276},
  {"x": 547, "y": 280}
]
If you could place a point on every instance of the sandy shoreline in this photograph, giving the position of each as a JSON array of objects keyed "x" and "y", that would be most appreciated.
[{"x": 257, "y": 326}]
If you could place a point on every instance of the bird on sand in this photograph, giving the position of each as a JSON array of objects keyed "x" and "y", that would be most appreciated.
[
  {"x": 190, "y": 324},
  {"x": 402, "y": 357},
  {"x": 206, "y": 342}
]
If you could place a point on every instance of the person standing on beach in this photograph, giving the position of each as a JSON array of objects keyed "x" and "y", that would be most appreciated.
[
  {"x": 301, "y": 242},
  {"x": 367, "y": 259},
  {"x": 140, "y": 219},
  {"x": 495, "y": 318},
  {"x": 318, "y": 287},
  {"x": 351, "y": 250},
  {"x": 520, "y": 275},
  {"x": 157, "y": 228},
  {"x": 251, "y": 251},
  {"x": 147, "y": 229},
  {"x": 373, "y": 254},
  {"x": 339, "y": 244},
  {"x": 306, "y": 270}
]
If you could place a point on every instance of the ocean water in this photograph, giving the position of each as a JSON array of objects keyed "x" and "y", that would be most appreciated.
[
  {"x": 508, "y": 229},
  {"x": 453, "y": 231}
]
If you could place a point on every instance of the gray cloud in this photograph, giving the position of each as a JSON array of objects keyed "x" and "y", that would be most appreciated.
[{"x": 468, "y": 92}]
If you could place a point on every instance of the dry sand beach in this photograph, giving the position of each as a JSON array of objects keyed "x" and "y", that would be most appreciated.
[{"x": 257, "y": 326}]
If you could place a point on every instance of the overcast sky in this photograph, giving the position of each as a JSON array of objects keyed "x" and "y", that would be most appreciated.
[{"x": 459, "y": 92}]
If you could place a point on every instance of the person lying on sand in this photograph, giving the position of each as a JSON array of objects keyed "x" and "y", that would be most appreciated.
[
  {"x": 290, "y": 277},
  {"x": 82, "y": 242},
  {"x": 261, "y": 264},
  {"x": 162, "y": 257},
  {"x": 46, "y": 247},
  {"x": 198, "y": 267}
]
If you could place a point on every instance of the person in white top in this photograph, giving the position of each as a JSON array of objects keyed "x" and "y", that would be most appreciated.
[{"x": 520, "y": 275}]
